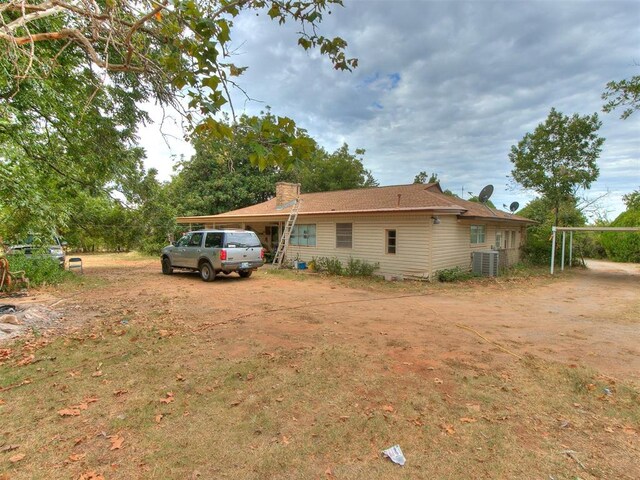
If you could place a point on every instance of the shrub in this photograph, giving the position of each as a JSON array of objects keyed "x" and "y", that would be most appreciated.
[
  {"x": 332, "y": 266},
  {"x": 360, "y": 268},
  {"x": 39, "y": 270},
  {"x": 453, "y": 275}
]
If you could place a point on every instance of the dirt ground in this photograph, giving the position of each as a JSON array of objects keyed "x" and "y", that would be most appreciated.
[
  {"x": 590, "y": 317},
  {"x": 297, "y": 376}
]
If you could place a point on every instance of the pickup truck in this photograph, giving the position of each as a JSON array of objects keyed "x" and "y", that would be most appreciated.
[{"x": 214, "y": 251}]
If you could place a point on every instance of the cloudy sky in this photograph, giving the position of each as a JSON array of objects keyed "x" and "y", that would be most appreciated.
[{"x": 445, "y": 86}]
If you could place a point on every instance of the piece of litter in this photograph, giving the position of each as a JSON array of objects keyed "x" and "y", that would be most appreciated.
[
  {"x": 395, "y": 455},
  {"x": 607, "y": 391}
]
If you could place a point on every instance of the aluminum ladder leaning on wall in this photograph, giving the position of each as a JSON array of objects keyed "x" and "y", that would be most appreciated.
[{"x": 286, "y": 234}]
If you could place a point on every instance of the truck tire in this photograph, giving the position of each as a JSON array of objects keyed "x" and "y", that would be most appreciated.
[
  {"x": 167, "y": 269},
  {"x": 245, "y": 273},
  {"x": 207, "y": 273}
]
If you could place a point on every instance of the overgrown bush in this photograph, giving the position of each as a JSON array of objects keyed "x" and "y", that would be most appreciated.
[
  {"x": 332, "y": 266},
  {"x": 455, "y": 274},
  {"x": 40, "y": 270},
  {"x": 353, "y": 268},
  {"x": 623, "y": 246},
  {"x": 360, "y": 268}
]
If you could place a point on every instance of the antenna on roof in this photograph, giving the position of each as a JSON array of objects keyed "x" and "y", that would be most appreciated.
[{"x": 485, "y": 195}]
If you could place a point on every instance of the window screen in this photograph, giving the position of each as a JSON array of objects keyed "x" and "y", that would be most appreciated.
[
  {"x": 477, "y": 234},
  {"x": 391, "y": 241},
  {"x": 344, "y": 235}
]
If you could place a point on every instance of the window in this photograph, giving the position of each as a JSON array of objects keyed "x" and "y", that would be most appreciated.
[
  {"x": 213, "y": 240},
  {"x": 513, "y": 239},
  {"x": 477, "y": 233},
  {"x": 303, "y": 235},
  {"x": 195, "y": 240},
  {"x": 391, "y": 241},
  {"x": 344, "y": 235},
  {"x": 241, "y": 240},
  {"x": 498, "y": 239}
]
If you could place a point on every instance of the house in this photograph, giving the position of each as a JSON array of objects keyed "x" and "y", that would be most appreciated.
[{"x": 410, "y": 230}]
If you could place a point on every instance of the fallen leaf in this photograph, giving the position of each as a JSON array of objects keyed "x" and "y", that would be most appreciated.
[
  {"x": 344, "y": 418},
  {"x": 285, "y": 440},
  {"x": 449, "y": 430},
  {"x": 279, "y": 399},
  {"x": 387, "y": 408},
  {"x": 180, "y": 378},
  {"x": 159, "y": 417},
  {"x": 468, "y": 420},
  {"x": 9, "y": 448},
  {"x": 250, "y": 376},
  {"x": 608, "y": 430},
  {"x": 163, "y": 333},
  {"x": 26, "y": 360},
  {"x": 97, "y": 374},
  {"x": 90, "y": 400},
  {"x": 235, "y": 403},
  {"x": 76, "y": 457},
  {"x": 91, "y": 476},
  {"x": 17, "y": 457},
  {"x": 437, "y": 381},
  {"x": 591, "y": 387},
  {"x": 118, "y": 393},
  {"x": 116, "y": 442},
  {"x": 328, "y": 472},
  {"x": 1, "y": 401},
  {"x": 69, "y": 412},
  {"x": 169, "y": 398},
  {"x": 629, "y": 430}
]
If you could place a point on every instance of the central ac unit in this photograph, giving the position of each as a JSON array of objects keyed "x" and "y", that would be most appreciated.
[{"x": 485, "y": 263}]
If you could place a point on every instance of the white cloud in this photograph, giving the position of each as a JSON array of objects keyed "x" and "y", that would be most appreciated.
[{"x": 448, "y": 87}]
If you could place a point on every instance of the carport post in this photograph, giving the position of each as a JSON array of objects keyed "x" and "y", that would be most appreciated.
[
  {"x": 564, "y": 236},
  {"x": 553, "y": 247},
  {"x": 570, "y": 248}
]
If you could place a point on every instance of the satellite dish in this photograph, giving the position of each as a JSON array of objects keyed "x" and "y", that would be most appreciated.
[
  {"x": 514, "y": 206},
  {"x": 485, "y": 194}
]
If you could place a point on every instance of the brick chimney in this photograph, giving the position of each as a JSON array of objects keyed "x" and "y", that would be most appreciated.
[{"x": 286, "y": 192}]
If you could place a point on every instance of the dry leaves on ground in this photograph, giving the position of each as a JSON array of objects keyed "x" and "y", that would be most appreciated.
[
  {"x": 116, "y": 442},
  {"x": 76, "y": 457},
  {"x": 170, "y": 398},
  {"x": 17, "y": 457},
  {"x": 91, "y": 476},
  {"x": 448, "y": 429}
]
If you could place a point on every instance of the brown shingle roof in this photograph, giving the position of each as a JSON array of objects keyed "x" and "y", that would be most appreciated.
[{"x": 395, "y": 198}]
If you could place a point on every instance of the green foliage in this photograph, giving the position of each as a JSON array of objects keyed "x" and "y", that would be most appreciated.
[
  {"x": 558, "y": 157},
  {"x": 624, "y": 246},
  {"x": 332, "y": 266},
  {"x": 340, "y": 170},
  {"x": 40, "y": 270},
  {"x": 623, "y": 93},
  {"x": 353, "y": 268},
  {"x": 537, "y": 248},
  {"x": 476, "y": 199},
  {"x": 360, "y": 268},
  {"x": 423, "y": 177},
  {"x": 172, "y": 52},
  {"x": 455, "y": 274}
]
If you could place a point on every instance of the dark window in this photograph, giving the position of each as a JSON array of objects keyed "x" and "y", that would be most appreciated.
[
  {"x": 195, "y": 240},
  {"x": 213, "y": 240},
  {"x": 344, "y": 235},
  {"x": 241, "y": 240},
  {"x": 391, "y": 241}
]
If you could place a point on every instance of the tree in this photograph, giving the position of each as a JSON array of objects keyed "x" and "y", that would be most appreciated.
[
  {"x": 162, "y": 50},
  {"x": 622, "y": 93},
  {"x": 559, "y": 157},
  {"x": 625, "y": 246},
  {"x": 423, "y": 177},
  {"x": 476, "y": 199},
  {"x": 340, "y": 170}
]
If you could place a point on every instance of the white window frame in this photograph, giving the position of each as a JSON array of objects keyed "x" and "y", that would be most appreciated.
[
  {"x": 395, "y": 241},
  {"x": 476, "y": 230},
  {"x": 344, "y": 235},
  {"x": 304, "y": 235}
]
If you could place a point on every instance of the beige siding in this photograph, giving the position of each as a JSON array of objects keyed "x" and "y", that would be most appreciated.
[{"x": 412, "y": 237}]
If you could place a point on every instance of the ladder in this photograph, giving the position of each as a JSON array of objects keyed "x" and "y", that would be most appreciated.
[{"x": 286, "y": 234}]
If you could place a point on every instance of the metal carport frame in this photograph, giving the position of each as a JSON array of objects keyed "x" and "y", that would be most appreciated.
[{"x": 564, "y": 231}]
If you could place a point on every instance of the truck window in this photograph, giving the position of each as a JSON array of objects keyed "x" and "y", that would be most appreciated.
[{"x": 241, "y": 240}]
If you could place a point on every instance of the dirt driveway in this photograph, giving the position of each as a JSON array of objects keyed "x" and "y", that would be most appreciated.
[{"x": 589, "y": 316}]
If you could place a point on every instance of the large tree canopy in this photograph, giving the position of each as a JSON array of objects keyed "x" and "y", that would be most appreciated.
[
  {"x": 559, "y": 157},
  {"x": 176, "y": 52}
]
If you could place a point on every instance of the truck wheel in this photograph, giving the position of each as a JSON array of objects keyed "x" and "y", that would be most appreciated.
[
  {"x": 167, "y": 269},
  {"x": 207, "y": 273},
  {"x": 245, "y": 273}
]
